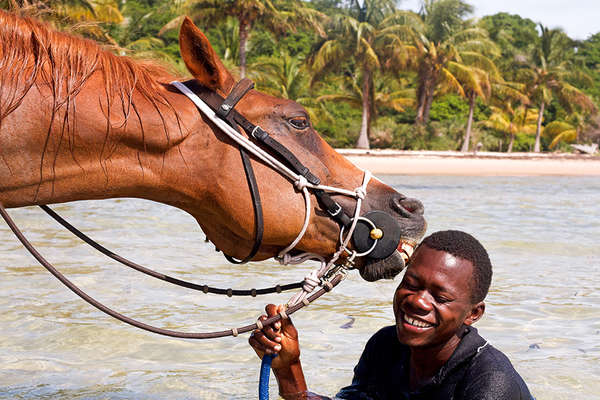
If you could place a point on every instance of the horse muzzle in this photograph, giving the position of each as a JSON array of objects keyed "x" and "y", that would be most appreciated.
[{"x": 387, "y": 242}]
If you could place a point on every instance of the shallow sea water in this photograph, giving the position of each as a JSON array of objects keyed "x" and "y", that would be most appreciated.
[{"x": 543, "y": 309}]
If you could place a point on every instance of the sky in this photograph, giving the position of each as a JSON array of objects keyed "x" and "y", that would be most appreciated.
[{"x": 578, "y": 18}]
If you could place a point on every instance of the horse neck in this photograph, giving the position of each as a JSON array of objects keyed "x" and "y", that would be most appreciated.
[{"x": 97, "y": 145}]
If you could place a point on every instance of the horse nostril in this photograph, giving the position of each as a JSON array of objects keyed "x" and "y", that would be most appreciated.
[{"x": 407, "y": 207}]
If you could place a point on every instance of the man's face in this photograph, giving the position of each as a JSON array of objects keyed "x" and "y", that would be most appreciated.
[{"x": 433, "y": 300}]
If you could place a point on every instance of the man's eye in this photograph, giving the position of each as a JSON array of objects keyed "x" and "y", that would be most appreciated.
[{"x": 299, "y": 123}]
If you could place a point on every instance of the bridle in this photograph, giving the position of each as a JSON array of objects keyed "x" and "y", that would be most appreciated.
[
  {"x": 330, "y": 273},
  {"x": 221, "y": 112}
]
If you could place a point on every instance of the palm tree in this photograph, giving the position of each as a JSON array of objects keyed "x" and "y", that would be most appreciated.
[
  {"x": 359, "y": 39},
  {"x": 283, "y": 76},
  {"x": 511, "y": 119},
  {"x": 546, "y": 74},
  {"x": 567, "y": 131},
  {"x": 276, "y": 16},
  {"x": 450, "y": 53},
  {"x": 386, "y": 94}
]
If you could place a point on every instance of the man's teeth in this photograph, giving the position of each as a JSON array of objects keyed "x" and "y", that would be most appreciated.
[{"x": 416, "y": 322}]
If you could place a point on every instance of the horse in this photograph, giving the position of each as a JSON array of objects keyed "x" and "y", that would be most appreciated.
[{"x": 78, "y": 122}]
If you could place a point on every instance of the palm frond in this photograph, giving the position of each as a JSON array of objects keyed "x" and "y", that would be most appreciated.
[{"x": 451, "y": 82}]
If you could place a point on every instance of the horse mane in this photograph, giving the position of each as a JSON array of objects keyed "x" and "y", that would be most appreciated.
[{"x": 32, "y": 54}]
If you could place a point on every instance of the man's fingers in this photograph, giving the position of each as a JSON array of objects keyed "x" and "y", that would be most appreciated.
[
  {"x": 261, "y": 342},
  {"x": 271, "y": 332}
]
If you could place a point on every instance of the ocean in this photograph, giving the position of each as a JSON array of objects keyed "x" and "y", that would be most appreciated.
[{"x": 543, "y": 309}]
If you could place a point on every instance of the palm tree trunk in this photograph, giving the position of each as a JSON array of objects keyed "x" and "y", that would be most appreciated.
[
  {"x": 538, "y": 132},
  {"x": 510, "y": 144},
  {"x": 422, "y": 99},
  {"x": 428, "y": 103},
  {"x": 244, "y": 33},
  {"x": 425, "y": 92},
  {"x": 465, "y": 146},
  {"x": 363, "y": 137}
]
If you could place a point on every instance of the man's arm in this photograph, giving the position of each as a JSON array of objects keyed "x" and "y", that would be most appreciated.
[{"x": 281, "y": 339}]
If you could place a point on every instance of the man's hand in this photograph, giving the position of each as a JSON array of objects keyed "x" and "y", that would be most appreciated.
[{"x": 280, "y": 338}]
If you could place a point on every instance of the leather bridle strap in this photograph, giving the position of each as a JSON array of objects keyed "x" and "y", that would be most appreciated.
[
  {"x": 236, "y": 94},
  {"x": 276, "y": 156},
  {"x": 223, "y": 111}
]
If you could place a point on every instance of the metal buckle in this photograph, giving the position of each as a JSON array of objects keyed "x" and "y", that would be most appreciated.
[{"x": 336, "y": 212}]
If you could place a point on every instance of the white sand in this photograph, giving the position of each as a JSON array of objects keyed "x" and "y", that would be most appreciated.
[{"x": 482, "y": 164}]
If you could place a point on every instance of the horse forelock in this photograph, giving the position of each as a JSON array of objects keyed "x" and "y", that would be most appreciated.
[{"x": 32, "y": 54}]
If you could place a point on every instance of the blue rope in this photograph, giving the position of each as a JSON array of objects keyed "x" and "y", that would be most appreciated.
[{"x": 265, "y": 372}]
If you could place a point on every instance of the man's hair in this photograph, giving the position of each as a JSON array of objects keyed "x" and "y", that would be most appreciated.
[{"x": 465, "y": 246}]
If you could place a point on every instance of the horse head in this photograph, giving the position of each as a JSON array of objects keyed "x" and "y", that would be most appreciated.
[{"x": 225, "y": 211}]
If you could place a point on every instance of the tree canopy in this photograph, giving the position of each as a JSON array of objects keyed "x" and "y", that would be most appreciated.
[{"x": 370, "y": 73}]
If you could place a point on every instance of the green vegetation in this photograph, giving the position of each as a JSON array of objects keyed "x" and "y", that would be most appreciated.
[{"x": 371, "y": 74}]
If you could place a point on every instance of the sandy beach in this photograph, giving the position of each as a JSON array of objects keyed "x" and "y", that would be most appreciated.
[{"x": 480, "y": 164}]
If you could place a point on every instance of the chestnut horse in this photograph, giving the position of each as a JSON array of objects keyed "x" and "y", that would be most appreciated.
[{"x": 79, "y": 123}]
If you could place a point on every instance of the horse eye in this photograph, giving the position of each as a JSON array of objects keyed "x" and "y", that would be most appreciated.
[{"x": 299, "y": 123}]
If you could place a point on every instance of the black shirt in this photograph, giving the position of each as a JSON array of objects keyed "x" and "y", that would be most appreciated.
[{"x": 476, "y": 370}]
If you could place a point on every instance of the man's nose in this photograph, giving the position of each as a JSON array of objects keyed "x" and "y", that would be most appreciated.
[{"x": 420, "y": 302}]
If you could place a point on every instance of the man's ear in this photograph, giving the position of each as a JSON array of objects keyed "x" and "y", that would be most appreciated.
[
  {"x": 201, "y": 60},
  {"x": 475, "y": 314}
]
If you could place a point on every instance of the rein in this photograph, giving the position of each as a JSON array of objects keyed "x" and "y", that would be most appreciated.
[
  {"x": 190, "y": 285},
  {"x": 333, "y": 280}
]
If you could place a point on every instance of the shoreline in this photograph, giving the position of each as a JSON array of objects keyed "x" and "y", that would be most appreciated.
[{"x": 406, "y": 162}]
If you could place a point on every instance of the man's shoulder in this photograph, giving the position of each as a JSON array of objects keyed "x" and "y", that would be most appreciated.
[
  {"x": 491, "y": 369},
  {"x": 489, "y": 358}
]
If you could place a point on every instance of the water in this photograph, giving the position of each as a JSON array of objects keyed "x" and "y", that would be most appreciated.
[{"x": 543, "y": 309}]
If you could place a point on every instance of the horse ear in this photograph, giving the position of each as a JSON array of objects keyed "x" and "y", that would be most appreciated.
[{"x": 201, "y": 60}]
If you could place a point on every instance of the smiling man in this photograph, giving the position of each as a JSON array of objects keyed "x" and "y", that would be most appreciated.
[{"x": 432, "y": 352}]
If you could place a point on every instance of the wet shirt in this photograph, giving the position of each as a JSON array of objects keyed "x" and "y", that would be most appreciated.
[{"x": 476, "y": 370}]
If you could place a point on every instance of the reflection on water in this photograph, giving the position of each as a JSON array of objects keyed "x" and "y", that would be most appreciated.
[{"x": 543, "y": 309}]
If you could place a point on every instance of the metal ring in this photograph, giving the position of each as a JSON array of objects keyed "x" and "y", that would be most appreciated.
[{"x": 369, "y": 222}]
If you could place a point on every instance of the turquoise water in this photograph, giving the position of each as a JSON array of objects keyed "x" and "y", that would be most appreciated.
[{"x": 543, "y": 309}]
